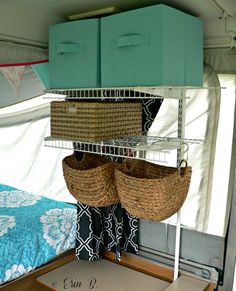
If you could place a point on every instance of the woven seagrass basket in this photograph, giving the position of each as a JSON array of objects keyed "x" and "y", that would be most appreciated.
[
  {"x": 91, "y": 180},
  {"x": 95, "y": 121},
  {"x": 151, "y": 191}
]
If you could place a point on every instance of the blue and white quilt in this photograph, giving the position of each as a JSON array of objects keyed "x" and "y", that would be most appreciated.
[{"x": 33, "y": 230}]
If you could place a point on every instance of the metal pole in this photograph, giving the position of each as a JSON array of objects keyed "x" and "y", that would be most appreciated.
[{"x": 181, "y": 134}]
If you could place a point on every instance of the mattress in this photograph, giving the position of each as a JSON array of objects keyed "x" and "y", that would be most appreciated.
[{"x": 33, "y": 230}]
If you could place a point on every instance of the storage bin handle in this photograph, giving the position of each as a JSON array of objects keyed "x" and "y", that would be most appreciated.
[
  {"x": 133, "y": 40},
  {"x": 68, "y": 48}
]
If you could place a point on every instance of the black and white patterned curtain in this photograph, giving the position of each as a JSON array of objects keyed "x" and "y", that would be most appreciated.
[
  {"x": 112, "y": 227},
  {"x": 150, "y": 109}
]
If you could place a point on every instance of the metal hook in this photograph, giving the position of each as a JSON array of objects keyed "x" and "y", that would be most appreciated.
[{"x": 185, "y": 151}]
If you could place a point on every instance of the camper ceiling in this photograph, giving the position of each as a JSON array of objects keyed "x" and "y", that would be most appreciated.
[
  {"x": 28, "y": 20},
  {"x": 62, "y": 8}
]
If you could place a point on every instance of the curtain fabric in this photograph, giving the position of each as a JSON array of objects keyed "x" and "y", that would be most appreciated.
[
  {"x": 150, "y": 110},
  {"x": 112, "y": 227}
]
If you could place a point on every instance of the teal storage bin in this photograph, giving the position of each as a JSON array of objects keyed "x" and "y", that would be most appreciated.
[
  {"x": 74, "y": 54},
  {"x": 151, "y": 46}
]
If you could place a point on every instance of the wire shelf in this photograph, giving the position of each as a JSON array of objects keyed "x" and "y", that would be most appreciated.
[
  {"x": 123, "y": 92},
  {"x": 118, "y": 93},
  {"x": 132, "y": 147}
]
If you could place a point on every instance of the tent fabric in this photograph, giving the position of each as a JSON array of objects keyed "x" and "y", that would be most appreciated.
[
  {"x": 202, "y": 114},
  {"x": 42, "y": 71},
  {"x": 25, "y": 162},
  {"x": 14, "y": 76},
  {"x": 221, "y": 60},
  {"x": 225, "y": 159},
  {"x": 29, "y": 87},
  {"x": 11, "y": 53},
  {"x": 21, "y": 81},
  {"x": 23, "y": 132},
  {"x": 26, "y": 116}
]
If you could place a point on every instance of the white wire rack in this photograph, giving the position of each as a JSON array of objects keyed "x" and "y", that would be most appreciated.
[
  {"x": 116, "y": 93},
  {"x": 121, "y": 92},
  {"x": 132, "y": 147}
]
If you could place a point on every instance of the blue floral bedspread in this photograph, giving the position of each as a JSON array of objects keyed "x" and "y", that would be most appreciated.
[{"x": 33, "y": 230}]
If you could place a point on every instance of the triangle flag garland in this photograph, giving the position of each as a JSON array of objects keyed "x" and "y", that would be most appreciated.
[{"x": 14, "y": 75}]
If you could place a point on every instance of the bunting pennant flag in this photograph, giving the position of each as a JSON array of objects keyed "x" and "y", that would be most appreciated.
[{"x": 14, "y": 75}]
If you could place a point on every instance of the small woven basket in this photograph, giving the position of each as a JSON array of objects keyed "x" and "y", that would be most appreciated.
[
  {"x": 151, "y": 191},
  {"x": 91, "y": 180}
]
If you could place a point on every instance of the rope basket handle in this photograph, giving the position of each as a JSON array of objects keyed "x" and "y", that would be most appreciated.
[
  {"x": 182, "y": 169},
  {"x": 129, "y": 165}
]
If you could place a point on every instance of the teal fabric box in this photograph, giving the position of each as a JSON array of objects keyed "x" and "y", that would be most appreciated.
[
  {"x": 74, "y": 54},
  {"x": 151, "y": 46}
]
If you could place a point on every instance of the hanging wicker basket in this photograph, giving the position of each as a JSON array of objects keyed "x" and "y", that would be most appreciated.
[
  {"x": 91, "y": 180},
  {"x": 151, "y": 191}
]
